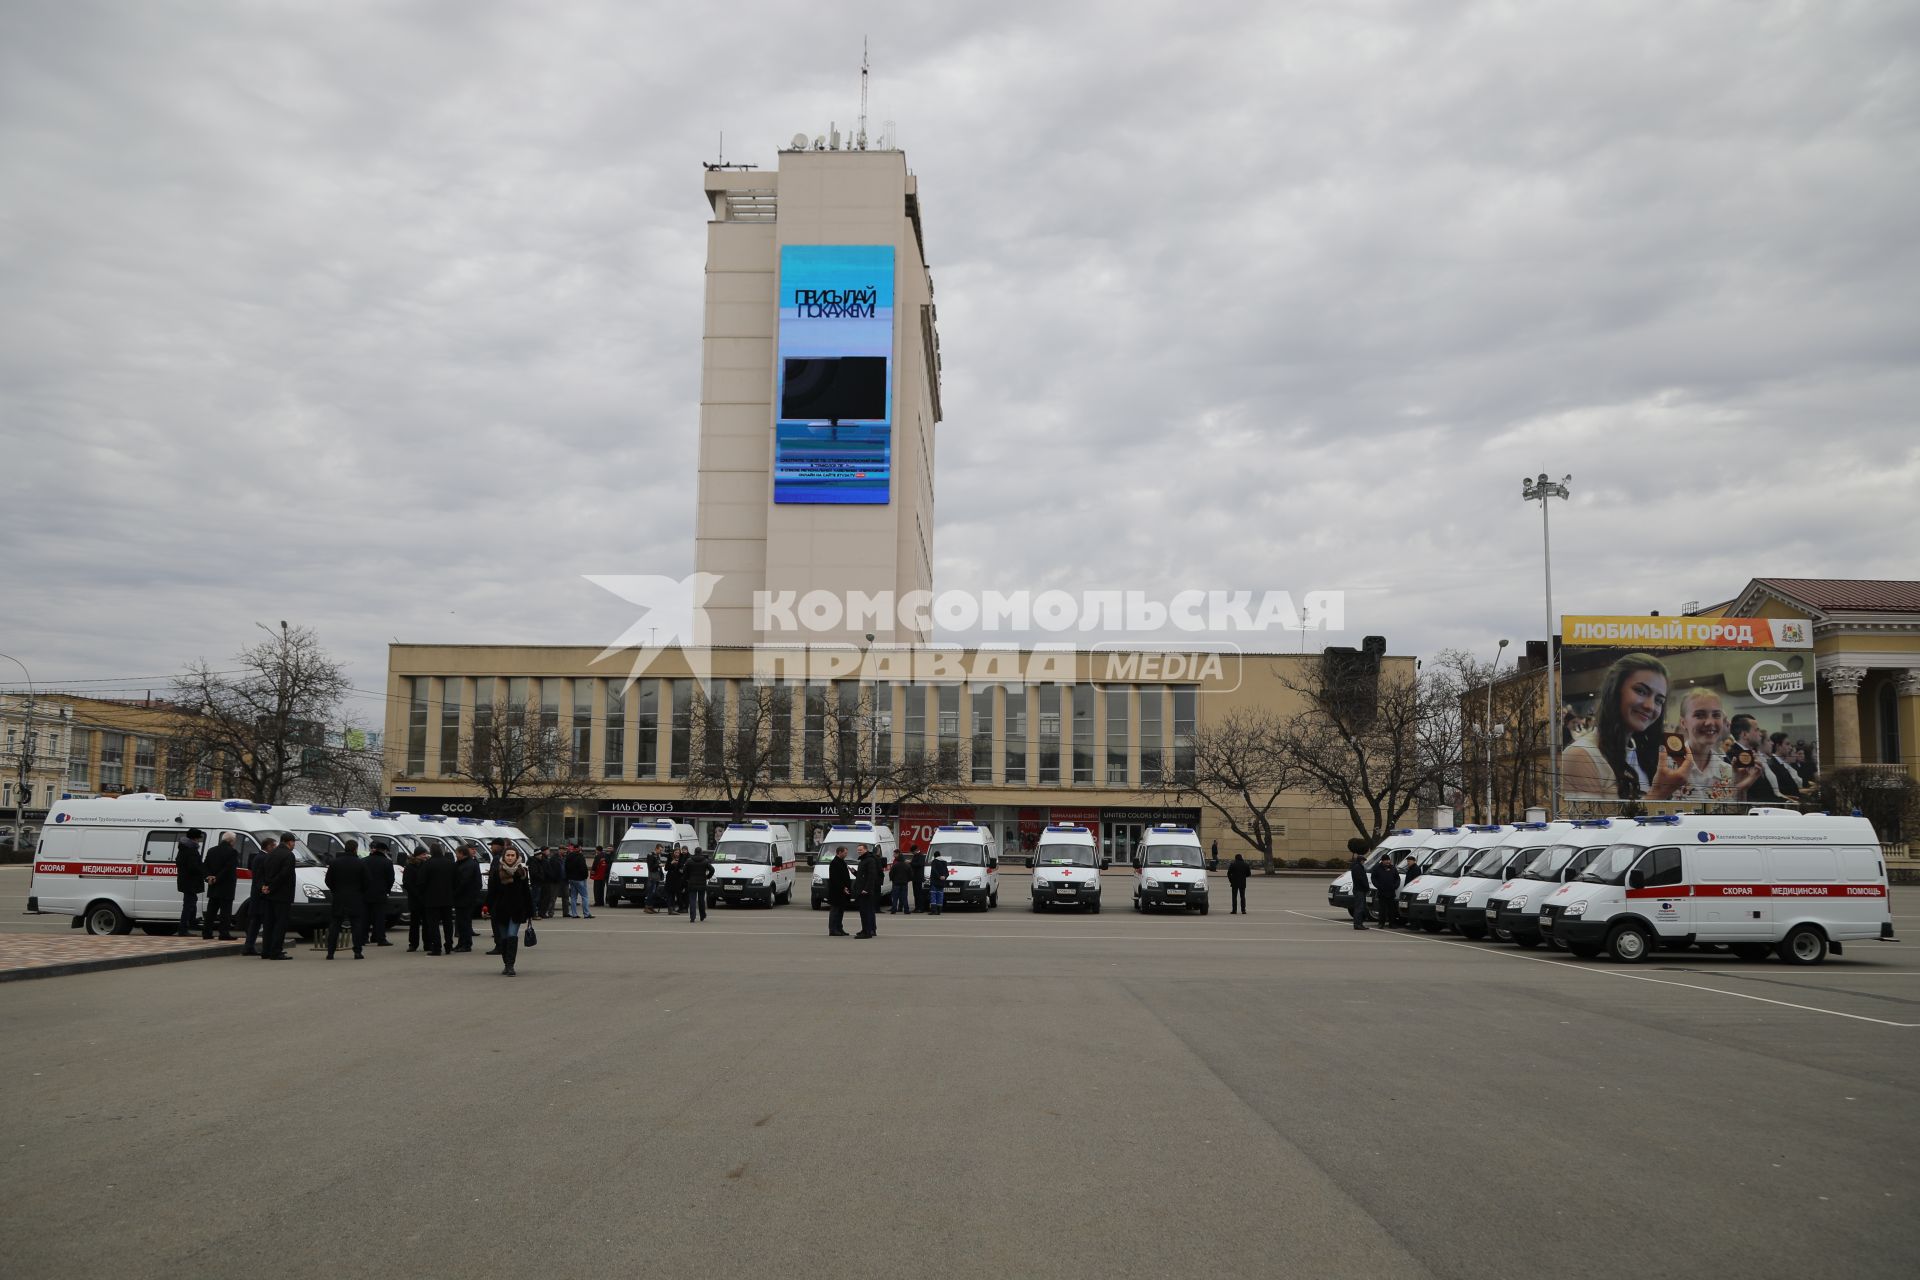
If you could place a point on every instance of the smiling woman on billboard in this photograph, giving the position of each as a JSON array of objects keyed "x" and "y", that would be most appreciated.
[{"x": 1620, "y": 758}]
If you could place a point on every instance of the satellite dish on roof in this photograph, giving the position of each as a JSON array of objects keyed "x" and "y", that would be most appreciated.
[{"x": 799, "y": 142}]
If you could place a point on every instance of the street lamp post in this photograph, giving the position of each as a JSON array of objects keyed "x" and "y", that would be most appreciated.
[
  {"x": 1541, "y": 489},
  {"x": 1487, "y": 726},
  {"x": 26, "y": 755}
]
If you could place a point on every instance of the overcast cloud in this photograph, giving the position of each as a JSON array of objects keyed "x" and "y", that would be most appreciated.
[{"x": 386, "y": 318}]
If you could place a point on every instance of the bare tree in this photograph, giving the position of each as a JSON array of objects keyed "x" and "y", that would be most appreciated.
[
  {"x": 1371, "y": 740},
  {"x": 1520, "y": 730},
  {"x": 852, "y": 764},
  {"x": 258, "y": 718},
  {"x": 346, "y": 772},
  {"x": 519, "y": 765},
  {"x": 1240, "y": 770},
  {"x": 743, "y": 749}
]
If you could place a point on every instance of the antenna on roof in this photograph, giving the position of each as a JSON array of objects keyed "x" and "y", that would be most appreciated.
[
  {"x": 723, "y": 148},
  {"x": 860, "y": 134}
]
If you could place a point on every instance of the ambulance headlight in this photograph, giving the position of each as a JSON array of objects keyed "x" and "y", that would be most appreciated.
[
  {"x": 314, "y": 892},
  {"x": 1426, "y": 895},
  {"x": 1516, "y": 902},
  {"x": 1574, "y": 908},
  {"x": 763, "y": 879}
]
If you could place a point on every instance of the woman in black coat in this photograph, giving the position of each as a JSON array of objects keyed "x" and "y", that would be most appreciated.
[{"x": 510, "y": 901}]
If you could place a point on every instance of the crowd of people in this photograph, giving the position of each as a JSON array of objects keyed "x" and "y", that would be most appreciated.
[{"x": 1627, "y": 750}]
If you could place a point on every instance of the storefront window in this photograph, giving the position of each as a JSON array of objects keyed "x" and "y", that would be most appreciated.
[{"x": 1116, "y": 737}]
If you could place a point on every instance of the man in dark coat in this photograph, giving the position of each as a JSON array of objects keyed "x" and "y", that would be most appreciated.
[
  {"x": 1386, "y": 884},
  {"x": 919, "y": 872},
  {"x": 1357, "y": 872},
  {"x": 436, "y": 898},
  {"x": 221, "y": 867},
  {"x": 656, "y": 882},
  {"x": 413, "y": 879},
  {"x": 257, "y": 894},
  {"x": 839, "y": 894},
  {"x": 379, "y": 870},
  {"x": 189, "y": 877},
  {"x": 870, "y": 881},
  {"x": 468, "y": 885},
  {"x": 699, "y": 871},
  {"x": 937, "y": 885},
  {"x": 577, "y": 871},
  {"x": 275, "y": 871},
  {"x": 1238, "y": 872},
  {"x": 347, "y": 900}
]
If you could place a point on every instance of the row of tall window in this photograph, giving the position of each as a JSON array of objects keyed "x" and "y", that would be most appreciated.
[{"x": 1042, "y": 735}]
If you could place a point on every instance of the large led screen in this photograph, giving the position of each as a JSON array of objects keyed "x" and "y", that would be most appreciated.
[{"x": 833, "y": 438}]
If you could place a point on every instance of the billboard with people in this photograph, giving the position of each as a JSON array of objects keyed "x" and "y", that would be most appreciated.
[{"x": 1687, "y": 711}]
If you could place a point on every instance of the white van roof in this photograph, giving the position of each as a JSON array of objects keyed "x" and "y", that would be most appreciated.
[{"x": 1777, "y": 825}]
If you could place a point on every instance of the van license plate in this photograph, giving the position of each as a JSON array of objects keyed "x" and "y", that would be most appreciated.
[
  {"x": 1066, "y": 893},
  {"x": 734, "y": 888},
  {"x": 1492, "y": 914}
]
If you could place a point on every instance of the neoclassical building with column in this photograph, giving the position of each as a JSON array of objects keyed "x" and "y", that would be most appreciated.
[{"x": 1866, "y": 643}]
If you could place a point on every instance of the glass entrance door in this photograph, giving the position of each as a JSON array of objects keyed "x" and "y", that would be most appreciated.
[{"x": 1118, "y": 840}]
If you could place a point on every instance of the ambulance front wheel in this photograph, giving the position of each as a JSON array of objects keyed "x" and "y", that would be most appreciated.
[
  {"x": 1805, "y": 945},
  {"x": 1094, "y": 906},
  {"x": 1629, "y": 944},
  {"x": 104, "y": 918},
  {"x": 1203, "y": 908}
]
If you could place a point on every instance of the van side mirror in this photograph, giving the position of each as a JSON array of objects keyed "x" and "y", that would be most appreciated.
[
  {"x": 993, "y": 864},
  {"x": 1105, "y": 863},
  {"x": 1636, "y": 879}
]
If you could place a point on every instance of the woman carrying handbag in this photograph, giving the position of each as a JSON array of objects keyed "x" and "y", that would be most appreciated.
[{"x": 510, "y": 901}]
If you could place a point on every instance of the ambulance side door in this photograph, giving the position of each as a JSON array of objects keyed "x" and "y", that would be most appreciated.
[
  {"x": 1656, "y": 890},
  {"x": 155, "y": 895}
]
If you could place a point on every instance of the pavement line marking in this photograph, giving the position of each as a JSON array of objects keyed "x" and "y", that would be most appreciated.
[
  {"x": 1058, "y": 937},
  {"x": 1633, "y": 977}
]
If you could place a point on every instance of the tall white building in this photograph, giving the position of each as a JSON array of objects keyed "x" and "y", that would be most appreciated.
[{"x": 820, "y": 388}]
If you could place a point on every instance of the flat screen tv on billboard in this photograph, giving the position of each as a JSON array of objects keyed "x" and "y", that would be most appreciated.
[
  {"x": 833, "y": 437},
  {"x": 1687, "y": 711}
]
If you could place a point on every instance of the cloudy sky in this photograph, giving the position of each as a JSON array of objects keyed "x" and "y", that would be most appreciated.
[{"x": 385, "y": 318}]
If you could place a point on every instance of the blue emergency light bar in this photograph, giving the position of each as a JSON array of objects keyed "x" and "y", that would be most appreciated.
[
  {"x": 1593, "y": 822},
  {"x": 1529, "y": 826},
  {"x": 246, "y": 806},
  {"x": 383, "y": 813},
  {"x": 1660, "y": 820},
  {"x": 325, "y": 808},
  {"x": 1484, "y": 826}
]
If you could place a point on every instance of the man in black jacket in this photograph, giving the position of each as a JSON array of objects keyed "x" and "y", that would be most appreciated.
[
  {"x": 1357, "y": 873},
  {"x": 839, "y": 894},
  {"x": 436, "y": 899},
  {"x": 189, "y": 877},
  {"x": 467, "y": 888},
  {"x": 1386, "y": 885},
  {"x": 257, "y": 894},
  {"x": 413, "y": 880},
  {"x": 221, "y": 867},
  {"x": 347, "y": 900},
  {"x": 379, "y": 869},
  {"x": 870, "y": 881},
  {"x": 576, "y": 871},
  {"x": 918, "y": 869},
  {"x": 656, "y": 881},
  {"x": 1237, "y": 873},
  {"x": 275, "y": 872},
  {"x": 699, "y": 871}
]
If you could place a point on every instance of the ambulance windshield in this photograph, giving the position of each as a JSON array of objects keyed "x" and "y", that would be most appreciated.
[
  {"x": 959, "y": 854},
  {"x": 1487, "y": 863},
  {"x": 1171, "y": 855},
  {"x": 1612, "y": 866},
  {"x": 1064, "y": 855},
  {"x": 1445, "y": 861},
  {"x": 758, "y": 852},
  {"x": 1551, "y": 863}
]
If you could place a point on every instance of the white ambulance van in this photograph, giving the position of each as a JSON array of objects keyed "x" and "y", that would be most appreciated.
[
  {"x": 1396, "y": 846},
  {"x": 753, "y": 862},
  {"x": 1513, "y": 910},
  {"x": 1066, "y": 868},
  {"x": 1463, "y": 908},
  {"x": 432, "y": 832},
  {"x": 847, "y": 837},
  {"x": 108, "y": 863},
  {"x": 1172, "y": 871},
  {"x": 1419, "y": 905},
  {"x": 973, "y": 864},
  {"x": 1798, "y": 885},
  {"x": 627, "y": 878}
]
